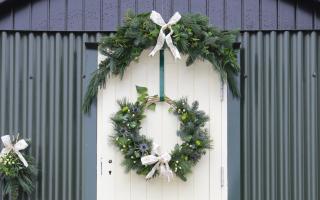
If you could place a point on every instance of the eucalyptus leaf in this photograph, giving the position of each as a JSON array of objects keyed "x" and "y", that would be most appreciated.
[
  {"x": 152, "y": 107},
  {"x": 142, "y": 97},
  {"x": 184, "y": 117},
  {"x": 141, "y": 90},
  {"x": 187, "y": 138},
  {"x": 137, "y": 154},
  {"x": 170, "y": 109},
  {"x": 133, "y": 124}
]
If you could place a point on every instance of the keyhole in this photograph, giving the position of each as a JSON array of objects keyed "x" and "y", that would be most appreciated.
[{"x": 110, "y": 172}]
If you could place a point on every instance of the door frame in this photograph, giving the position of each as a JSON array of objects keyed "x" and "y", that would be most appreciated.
[
  {"x": 89, "y": 152},
  {"x": 89, "y": 123}
]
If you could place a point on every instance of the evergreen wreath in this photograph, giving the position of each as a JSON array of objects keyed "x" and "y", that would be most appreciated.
[
  {"x": 134, "y": 146},
  {"x": 16, "y": 179},
  {"x": 192, "y": 35}
]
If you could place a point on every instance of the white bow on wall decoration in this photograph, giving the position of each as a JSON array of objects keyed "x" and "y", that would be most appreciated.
[
  {"x": 16, "y": 148},
  {"x": 157, "y": 19},
  {"x": 162, "y": 163}
]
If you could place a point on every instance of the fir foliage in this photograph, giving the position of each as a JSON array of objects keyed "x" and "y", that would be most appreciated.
[
  {"x": 193, "y": 36},
  {"x": 127, "y": 124},
  {"x": 16, "y": 179}
]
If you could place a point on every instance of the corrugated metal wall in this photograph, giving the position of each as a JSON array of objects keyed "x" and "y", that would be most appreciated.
[
  {"x": 41, "y": 89},
  {"x": 40, "y": 97},
  {"x": 106, "y": 15},
  {"x": 280, "y": 116}
]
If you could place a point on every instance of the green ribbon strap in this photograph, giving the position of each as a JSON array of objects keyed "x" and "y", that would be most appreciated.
[{"x": 162, "y": 75}]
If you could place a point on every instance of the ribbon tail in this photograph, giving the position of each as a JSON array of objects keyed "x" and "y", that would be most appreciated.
[
  {"x": 172, "y": 48},
  {"x": 169, "y": 176},
  {"x": 166, "y": 172},
  {"x": 23, "y": 160},
  {"x": 169, "y": 172},
  {"x": 153, "y": 170},
  {"x": 159, "y": 45}
]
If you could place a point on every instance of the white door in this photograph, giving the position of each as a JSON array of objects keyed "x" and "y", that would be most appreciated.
[{"x": 197, "y": 82}]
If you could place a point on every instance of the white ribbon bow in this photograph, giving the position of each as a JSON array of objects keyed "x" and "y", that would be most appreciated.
[
  {"x": 162, "y": 163},
  {"x": 157, "y": 19},
  {"x": 16, "y": 148}
]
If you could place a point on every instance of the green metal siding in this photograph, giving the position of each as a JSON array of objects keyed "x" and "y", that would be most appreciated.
[
  {"x": 41, "y": 77},
  {"x": 280, "y": 115},
  {"x": 42, "y": 83}
]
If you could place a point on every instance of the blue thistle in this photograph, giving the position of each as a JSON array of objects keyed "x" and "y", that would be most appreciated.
[
  {"x": 143, "y": 147},
  {"x": 135, "y": 109}
]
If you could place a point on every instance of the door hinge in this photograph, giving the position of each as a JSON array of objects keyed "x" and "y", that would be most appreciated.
[
  {"x": 221, "y": 91},
  {"x": 222, "y": 176},
  {"x": 101, "y": 165}
]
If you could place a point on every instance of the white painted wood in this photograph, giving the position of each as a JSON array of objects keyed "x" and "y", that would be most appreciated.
[{"x": 197, "y": 82}]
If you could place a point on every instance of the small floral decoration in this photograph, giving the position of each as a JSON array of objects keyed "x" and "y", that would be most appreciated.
[
  {"x": 16, "y": 178},
  {"x": 133, "y": 145}
]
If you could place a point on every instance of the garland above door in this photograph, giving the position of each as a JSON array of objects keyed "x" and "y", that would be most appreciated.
[{"x": 190, "y": 35}]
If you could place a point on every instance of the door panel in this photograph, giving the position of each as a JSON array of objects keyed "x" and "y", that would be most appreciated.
[{"x": 197, "y": 82}]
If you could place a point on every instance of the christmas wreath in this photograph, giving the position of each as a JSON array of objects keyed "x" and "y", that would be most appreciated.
[
  {"x": 188, "y": 34},
  {"x": 145, "y": 157},
  {"x": 17, "y": 169}
]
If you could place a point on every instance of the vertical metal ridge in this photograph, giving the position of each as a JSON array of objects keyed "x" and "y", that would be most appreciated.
[
  {"x": 43, "y": 151},
  {"x": 253, "y": 101},
  {"x": 24, "y": 83},
  {"x": 3, "y": 81},
  {"x": 280, "y": 112},
  {"x": 286, "y": 104},
  {"x": 38, "y": 82},
  {"x": 265, "y": 109},
  {"x": 58, "y": 117},
  {"x": 245, "y": 165},
  {"x": 317, "y": 119},
  {"x": 51, "y": 128},
  {"x": 307, "y": 78},
  {"x": 82, "y": 162},
  {"x": 10, "y": 89},
  {"x": 16, "y": 91},
  {"x": 63, "y": 61},
  {"x": 259, "y": 113},
  {"x": 313, "y": 147},
  {"x": 78, "y": 131},
  {"x": 71, "y": 108}
]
